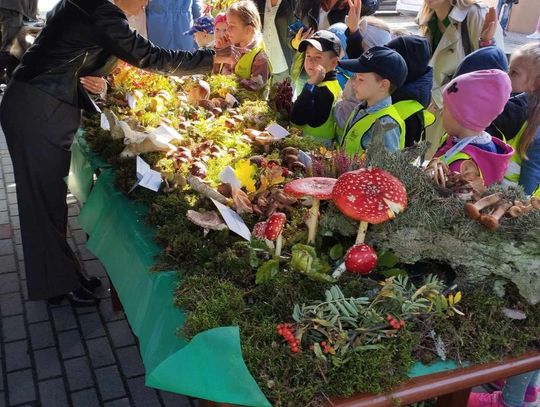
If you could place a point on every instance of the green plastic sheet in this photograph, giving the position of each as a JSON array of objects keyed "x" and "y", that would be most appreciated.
[{"x": 211, "y": 365}]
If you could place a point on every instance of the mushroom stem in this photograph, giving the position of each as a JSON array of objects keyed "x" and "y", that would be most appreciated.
[
  {"x": 361, "y": 235},
  {"x": 313, "y": 220},
  {"x": 473, "y": 209},
  {"x": 339, "y": 271},
  {"x": 279, "y": 245},
  {"x": 492, "y": 221}
]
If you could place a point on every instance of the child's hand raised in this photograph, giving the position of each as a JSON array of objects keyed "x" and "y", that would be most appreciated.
[
  {"x": 300, "y": 36},
  {"x": 317, "y": 75},
  {"x": 490, "y": 26},
  {"x": 353, "y": 18}
]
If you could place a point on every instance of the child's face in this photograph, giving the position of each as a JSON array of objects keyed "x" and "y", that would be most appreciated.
[
  {"x": 220, "y": 31},
  {"x": 203, "y": 39},
  {"x": 451, "y": 126},
  {"x": 237, "y": 30},
  {"x": 367, "y": 86},
  {"x": 520, "y": 76},
  {"x": 313, "y": 58}
]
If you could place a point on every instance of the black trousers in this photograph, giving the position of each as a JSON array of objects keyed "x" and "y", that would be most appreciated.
[{"x": 39, "y": 131}]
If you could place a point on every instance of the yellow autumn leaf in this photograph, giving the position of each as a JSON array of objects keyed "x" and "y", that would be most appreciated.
[
  {"x": 457, "y": 297},
  {"x": 451, "y": 299},
  {"x": 245, "y": 172}
]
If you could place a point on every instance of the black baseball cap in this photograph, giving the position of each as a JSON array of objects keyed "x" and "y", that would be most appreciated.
[
  {"x": 383, "y": 61},
  {"x": 322, "y": 40}
]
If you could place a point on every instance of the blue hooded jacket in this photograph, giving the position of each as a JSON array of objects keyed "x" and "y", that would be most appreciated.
[{"x": 168, "y": 20}]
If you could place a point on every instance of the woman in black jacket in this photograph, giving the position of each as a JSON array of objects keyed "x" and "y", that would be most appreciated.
[{"x": 40, "y": 113}]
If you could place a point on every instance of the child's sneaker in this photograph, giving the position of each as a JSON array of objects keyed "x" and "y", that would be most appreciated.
[
  {"x": 486, "y": 399},
  {"x": 531, "y": 396}
]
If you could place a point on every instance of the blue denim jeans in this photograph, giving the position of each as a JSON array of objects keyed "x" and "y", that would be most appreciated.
[{"x": 515, "y": 387}]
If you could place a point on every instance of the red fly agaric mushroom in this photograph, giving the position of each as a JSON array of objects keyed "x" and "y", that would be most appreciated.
[
  {"x": 369, "y": 195},
  {"x": 359, "y": 259},
  {"x": 274, "y": 227},
  {"x": 258, "y": 230},
  {"x": 319, "y": 188}
]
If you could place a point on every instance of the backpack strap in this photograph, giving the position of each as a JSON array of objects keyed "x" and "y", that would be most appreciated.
[{"x": 465, "y": 37}]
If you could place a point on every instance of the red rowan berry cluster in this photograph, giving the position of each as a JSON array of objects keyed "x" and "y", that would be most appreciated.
[
  {"x": 395, "y": 323},
  {"x": 287, "y": 333}
]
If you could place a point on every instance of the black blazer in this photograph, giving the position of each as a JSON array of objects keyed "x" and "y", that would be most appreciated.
[{"x": 86, "y": 37}]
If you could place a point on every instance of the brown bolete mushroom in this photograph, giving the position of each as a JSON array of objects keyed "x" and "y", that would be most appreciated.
[
  {"x": 369, "y": 195},
  {"x": 473, "y": 209},
  {"x": 319, "y": 188},
  {"x": 207, "y": 220}
]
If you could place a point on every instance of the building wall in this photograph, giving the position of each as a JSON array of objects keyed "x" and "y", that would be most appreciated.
[{"x": 524, "y": 16}]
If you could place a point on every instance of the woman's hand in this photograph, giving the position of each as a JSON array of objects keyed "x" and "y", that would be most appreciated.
[
  {"x": 94, "y": 84},
  {"x": 490, "y": 26},
  {"x": 353, "y": 18}
]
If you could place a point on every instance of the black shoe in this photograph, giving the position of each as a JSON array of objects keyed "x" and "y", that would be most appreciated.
[
  {"x": 77, "y": 298},
  {"x": 90, "y": 283}
]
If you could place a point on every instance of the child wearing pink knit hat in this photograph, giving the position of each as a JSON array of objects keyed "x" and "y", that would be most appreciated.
[
  {"x": 221, "y": 40},
  {"x": 471, "y": 102}
]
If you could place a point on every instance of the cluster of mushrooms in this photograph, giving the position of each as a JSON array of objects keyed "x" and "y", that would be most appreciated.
[
  {"x": 490, "y": 209},
  {"x": 467, "y": 185}
]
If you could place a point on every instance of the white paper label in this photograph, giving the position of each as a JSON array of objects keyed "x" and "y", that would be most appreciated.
[
  {"x": 146, "y": 177},
  {"x": 166, "y": 133},
  {"x": 105, "y": 125},
  {"x": 277, "y": 132},
  {"x": 231, "y": 100},
  {"x": 233, "y": 220},
  {"x": 227, "y": 176},
  {"x": 131, "y": 101},
  {"x": 305, "y": 159}
]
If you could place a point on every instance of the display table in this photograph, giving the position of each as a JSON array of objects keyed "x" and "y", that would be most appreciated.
[{"x": 210, "y": 366}]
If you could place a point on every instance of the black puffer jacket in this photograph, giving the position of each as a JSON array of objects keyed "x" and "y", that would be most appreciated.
[{"x": 86, "y": 37}]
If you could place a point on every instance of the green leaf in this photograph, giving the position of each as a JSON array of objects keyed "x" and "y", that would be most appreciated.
[
  {"x": 321, "y": 322},
  {"x": 336, "y": 252},
  {"x": 267, "y": 271},
  {"x": 320, "y": 277},
  {"x": 335, "y": 292},
  {"x": 296, "y": 313},
  {"x": 303, "y": 257},
  {"x": 318, "y": 352},
  {"x": 387, "y": 259}
]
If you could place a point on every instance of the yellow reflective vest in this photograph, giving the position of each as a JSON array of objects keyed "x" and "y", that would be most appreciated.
[{"x": 327, "y": 130}]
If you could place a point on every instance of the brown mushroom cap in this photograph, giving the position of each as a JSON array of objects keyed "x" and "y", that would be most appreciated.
[
  {"x": 206, "y": 220},
  {"x": 317, "y": 187},
  {"x": 370, "y": 195}
]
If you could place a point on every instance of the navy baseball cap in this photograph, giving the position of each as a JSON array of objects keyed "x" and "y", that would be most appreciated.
[
  {"x": 202, "y": 24},
  {"x": 383, "y": 61},
  {"x": 322, "y": 40}
]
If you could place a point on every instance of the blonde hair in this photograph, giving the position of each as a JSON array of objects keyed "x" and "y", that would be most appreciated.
[
  {"x": 426, "y": 12},
  {"x": 529, "y": 54},
  {"x": 248, "y": 13},
  {"x": 376, "y": 22}
]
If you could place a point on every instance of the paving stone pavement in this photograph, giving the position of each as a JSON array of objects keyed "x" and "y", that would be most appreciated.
[{"x": 56, "y": 356}]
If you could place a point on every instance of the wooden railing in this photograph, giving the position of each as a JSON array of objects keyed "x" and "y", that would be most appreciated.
[{"x": 451, "y": 388}]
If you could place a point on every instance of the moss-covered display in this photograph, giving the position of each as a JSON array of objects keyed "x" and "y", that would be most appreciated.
[{"x": 305, "y": 335}]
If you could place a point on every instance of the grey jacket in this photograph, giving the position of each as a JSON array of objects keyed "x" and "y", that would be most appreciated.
[{"x": 25, "y": 7}]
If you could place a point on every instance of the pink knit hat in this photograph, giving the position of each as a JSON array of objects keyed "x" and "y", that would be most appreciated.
[
  {"x": 220, "y": 18},
  {"x": 475, "y": 99}
]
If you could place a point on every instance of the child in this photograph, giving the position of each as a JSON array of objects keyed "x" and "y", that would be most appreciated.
[
  {"x": 312, "y": 110},
  {"x": 379, "y": 72},
  {"x": 470, "y": 103},
  {"x": 524, "y": 168},
  {"x": 221, "y": 40},
  {"x": 202, "y": 31},
  {"x": 244, "y": 29},
  {"x": 518, "y": 391}
]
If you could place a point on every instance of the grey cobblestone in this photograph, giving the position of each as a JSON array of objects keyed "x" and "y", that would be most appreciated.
[
  {"x": 11, "y": 304},
  {"x": 9, "y": 283},
  {"x": 52, "y": 393},
  {"x": 41, "y": 335},
  {"x": 70, "y": 344},
  {"x": 13, "y": 328},
  {"x": 8, "y": 264},
  {"x": 110, "y": 383},
  {"x": 91, "y": 326},
  {"x": 78, "y": 374},
  {"x": 6, "y": 247},
  {"x": 130, "y": 361},
  {"x": 100, "y": 352},
  {"x": 85, "y": 398},
  {"x": 36, "y": 311},
  {"x": 64, "y": 318},
  {"x": 120, "y": 333},
  {"x": 21, "y": 387},
  {"x": 17, "y": 355},
  {"x": 118, "y": 403},
  {"x": 142, "y": 395},
  {"x": 47, "y": 363}
]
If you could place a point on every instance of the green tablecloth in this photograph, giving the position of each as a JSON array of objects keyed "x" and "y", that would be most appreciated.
[{"x": 210, "y": 366}]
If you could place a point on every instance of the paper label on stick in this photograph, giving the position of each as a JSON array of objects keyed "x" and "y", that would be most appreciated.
[
  {"x": 146, "y": 177},
  {"x": 277, "y": 132},
  {"x": 305, "y": 159},
  {"x": 227, "y": 176},
  {"x": 132, "y": 103},
  {"x": 166, "y": 133},
  {"x": 231, "y": 100},
  {"x": 233, "y": 220},
  {"x": 105, "y": 125}
]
